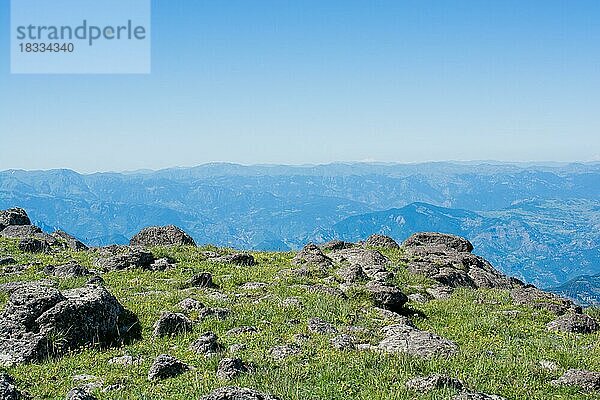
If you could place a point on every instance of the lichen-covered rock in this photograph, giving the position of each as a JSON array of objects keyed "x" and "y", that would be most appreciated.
[
  {"x": 229, "y": 368},
  {"x": 574, "y": 323},
  {"x": 352, "y": 273},
  {"x": 386, "y": 296},
  {"x": 240, "y": 330},
  {"x": 189, "y": 305},
  {"x": 39, "y": 321},
  {"x": 124, "y": 257},
  {"x": 72, "y": 269},
  {"x": 381, "y": 241},
  {"x": 201, "y": 280},
  {"x": 586, "y": 380},
  {"x": 336, "y": 245},
  {"x": 166, "y": 366},
  {"x": 448, "y": 260},
  {"x": 424, "y": 384},
  {"x": 236, "y": 393},
  {"x": 240, "y": 259},
  {"x": 311, "y": 255},
  {"x": 404, "y": 338},
  {"x": 372, "y": 262},
  {"x": 438, "y": 239},
  {"x": 284, "y": 351},
  {"x": 169, "y": 235},
  {"x": 538, "y": 299},
  {"x": 70, "y": 241},
  {"x": 162, "y": 264},
  {"x": 207, "y": 344},
  {"x": 317, "y": 325},
  {"x": 13, "y": 216},
  {"x": 171, "y": 324},
  {"x": 33, "y": 245},
  {"x": 343, "y": 342}
]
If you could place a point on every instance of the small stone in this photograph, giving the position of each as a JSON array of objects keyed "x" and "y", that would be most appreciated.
[
  {"x": 229, "y": 368},
  {"x": 236, "y": 348},
  {"x": 344, "y": 342},
  {"x": 207, "y": 344},
  {"x": 241, "y": 259},
  {"x": 284, "y": 351},
  {"x": 124, "y": 360},
  {"x": 549, "y": 365},
  {"x": 219, "y": 313},
  {"x": 253, "y": 286},
  {"x": 241, "y": 330},
  {"x": 79, "y": 394},
  {"x": 317, "y": 325},
  {"x": 236, "y": 393},
  {"x": 586, "y": 380},
  {"x": 166, "y": 366},
  {"x": 190, "y": 305},
  {"x": 477, "y": 396},
  {"x": 202, "y": 280},
  {"x": 170, "y": 324},
  {"x": 426, "y": 384}
]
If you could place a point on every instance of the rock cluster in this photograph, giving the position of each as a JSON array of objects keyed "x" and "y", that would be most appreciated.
[
  {"x": 405, "y": 338},
  {"x": 39, "y": 320}
]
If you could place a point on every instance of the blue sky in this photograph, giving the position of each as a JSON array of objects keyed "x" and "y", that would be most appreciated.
[{"x": 322, "y": 81}]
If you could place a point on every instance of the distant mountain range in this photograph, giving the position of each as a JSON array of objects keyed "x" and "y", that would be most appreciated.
[
  {"x": 584, "y": 290},
  {"x": 537, "y": 222}
]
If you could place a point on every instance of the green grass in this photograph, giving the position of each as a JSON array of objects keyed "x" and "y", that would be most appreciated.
[{"x": 499, "y": 353}]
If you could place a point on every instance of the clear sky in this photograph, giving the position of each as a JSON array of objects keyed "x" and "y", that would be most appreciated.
[{"x": 320, "y": 81}]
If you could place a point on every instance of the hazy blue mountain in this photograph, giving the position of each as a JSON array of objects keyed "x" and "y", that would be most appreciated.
[
  {"x": 533, "y": 220},
  {"x": 585, "y": 290}
]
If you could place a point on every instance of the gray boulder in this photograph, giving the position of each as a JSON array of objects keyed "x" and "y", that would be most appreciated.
[
  {"x": 538, "y": 299},
  {"x": 574, "y": 323},
  {"x": 343, "y": 342},
  {"x": 241, "y": 259},
  {"x": 586, "y": 380},
  {"x": 124, "y": 257},
  {"x": 229, "y": 368},
  {"x": 33, "y": 245},
  {"x": 372, "y": 262},
  {"x": 336, "y": 245},
  {"x": 79, "y": 393},
  {"x": 13, "y": 216},
  {"x": 171, "y": 324},
  {"x": 169, "y": 235},
  {"x": 284, "y": 351},
  {"x": 404, "y": 338},
  {"x": 166, "y": 366},
  {"x": 207, "y": 344},
  {"x": 202, "y": 280},
  {"x": 438, "y": 239},
  {"x": 311, "y": 255},
  {"x": 236, "y": 393},
  {"x": 70, "y": 241},
  {"x": 39, "y": 321},
  {"x": 317, "y": 325},
  {"x": 424, "y": 384},
  {"x": 381, "y": 241},
  {"x": 385, "y": 296},
  {"x": 71, "y": 269}
]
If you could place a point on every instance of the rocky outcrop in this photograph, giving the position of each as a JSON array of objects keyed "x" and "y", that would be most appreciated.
[
  {"x": 405, "y": 338},
  {"x": 39, "y": 321},
  {"x": 72, "y": 269},
  {"x": 448, "y": 260},
  {"x": 336, "y": 245},
  {"x": 540, "y": 300},
  {"x": 169, "y": 235},
  {"x": 70, "y": 241},
  {"x": 311, "y": 255},
  {"x": 124, "y": 257},
  {"x": 166, "y": 366},
  {"x": 236, "y": 393},
  {"x": 381, "y": 241},
  {"x": 371, "y": 262},
  {"x": 586, "y": 380},
  {"x": 574, "y": 323},
  {"x": 435, "y": 239},
  {"x": 13, "y": 216}
]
